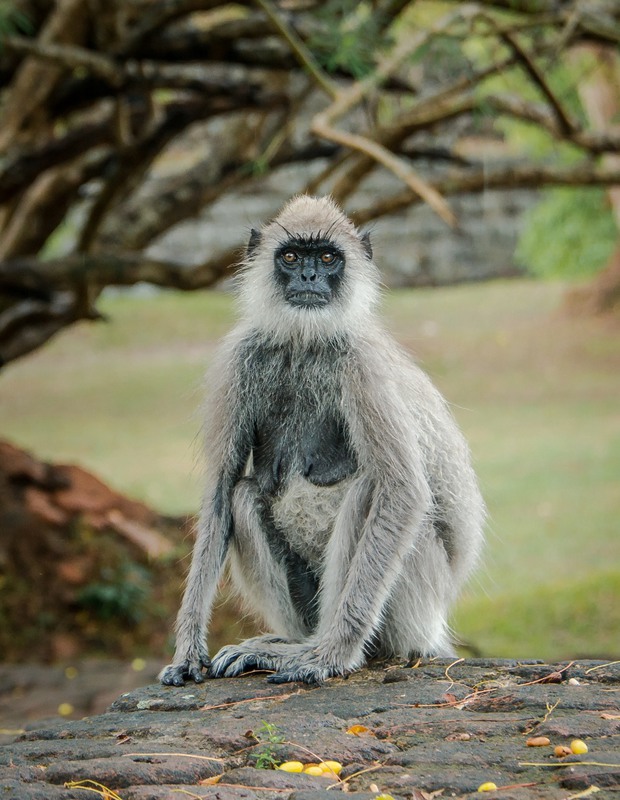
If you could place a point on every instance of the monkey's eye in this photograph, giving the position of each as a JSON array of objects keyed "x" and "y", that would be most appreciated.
[
  {"x": 328, "y": 257},
  {"x": 289, "y": 257}
]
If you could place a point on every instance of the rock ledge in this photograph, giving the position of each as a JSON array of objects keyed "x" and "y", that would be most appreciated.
[{"x": 439, "y": 728}]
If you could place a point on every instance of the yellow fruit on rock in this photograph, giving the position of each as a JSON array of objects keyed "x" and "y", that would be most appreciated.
[
  {"x": 291, "y": 766},
  {"x": 489, "y": 786},
  {"x": 313, "y": 769},
  {"x": 331, "y": 766},
  {"x": 578, "y": 746}
]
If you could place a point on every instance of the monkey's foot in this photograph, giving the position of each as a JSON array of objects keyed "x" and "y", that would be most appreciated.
[
  {"x": 190, "y": 669},
  {"x": 308, "y": 662},
  {"x": 260, "y": 652},
  {"x": 291, "y": 661},
  {"x": 314, "y": 675}
]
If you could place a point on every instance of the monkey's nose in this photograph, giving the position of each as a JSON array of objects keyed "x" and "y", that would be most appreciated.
[{"x": 308, "y": 275}]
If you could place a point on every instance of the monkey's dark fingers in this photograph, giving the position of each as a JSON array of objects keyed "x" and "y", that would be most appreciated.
[{"x": 177, "y": 674}]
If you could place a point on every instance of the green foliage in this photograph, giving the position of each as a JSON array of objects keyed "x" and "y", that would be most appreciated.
[
  {"x": 348, "y": 36},
  {"x": 443, "y": 59},
  {"x": 270, "y": 732},
  {"x": 570, "y": 233},
  {"x": 121, "y": 594},
  {"x": 12, "y": 21}
]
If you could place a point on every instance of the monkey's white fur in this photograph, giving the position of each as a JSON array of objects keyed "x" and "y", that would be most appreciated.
[
  {"x": 394, "y": 542},
  {"x": 262, "y": 304}
]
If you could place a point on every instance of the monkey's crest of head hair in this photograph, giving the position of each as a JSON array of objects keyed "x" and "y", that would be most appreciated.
[{"x": 265, "y": 308}]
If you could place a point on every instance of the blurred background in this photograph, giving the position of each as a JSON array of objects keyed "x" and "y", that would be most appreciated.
[{"x": 140, "y": 141}]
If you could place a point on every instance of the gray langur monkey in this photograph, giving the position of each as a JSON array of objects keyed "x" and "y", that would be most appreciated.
[{"x": 340, "y": 490}]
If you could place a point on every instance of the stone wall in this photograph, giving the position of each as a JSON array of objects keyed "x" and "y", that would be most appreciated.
[{"x": 414, "y": 248}]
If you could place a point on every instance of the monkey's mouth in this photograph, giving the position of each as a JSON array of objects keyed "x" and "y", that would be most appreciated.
[{"x": 307, "y": 299}]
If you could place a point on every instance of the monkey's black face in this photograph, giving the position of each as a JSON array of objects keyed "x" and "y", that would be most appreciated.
[{"x": 309, "y": 271}]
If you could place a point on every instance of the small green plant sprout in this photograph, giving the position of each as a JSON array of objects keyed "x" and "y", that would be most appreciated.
[
  {"x": 270, "y": 732},
  {"x": 268, "y": 735}
]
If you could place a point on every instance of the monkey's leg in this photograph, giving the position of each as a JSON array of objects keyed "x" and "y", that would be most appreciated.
[
  {"x": 263, "y": 579},
  {"x": 416, "y": 616},
  {"x": 375, "y": 530},
  {"x": 191, "y": 653}
]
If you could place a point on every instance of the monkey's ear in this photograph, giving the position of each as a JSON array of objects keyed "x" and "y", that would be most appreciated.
[
  {"x": 366, "y": 244},
  {"x": 255, "y": 238}
]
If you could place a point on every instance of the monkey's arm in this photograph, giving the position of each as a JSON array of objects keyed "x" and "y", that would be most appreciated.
[{"x": 228, "y": 436}]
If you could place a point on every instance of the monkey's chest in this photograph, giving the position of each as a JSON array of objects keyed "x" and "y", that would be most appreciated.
[{"x": 294, "y": 443}]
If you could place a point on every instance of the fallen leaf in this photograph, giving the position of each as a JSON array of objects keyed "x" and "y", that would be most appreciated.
[
  {"x": 431, "y": 795},
  {"x": 357, "y": 730},
  {"x": 211, "y": 781},
  {"x": 538, "y": 741}
]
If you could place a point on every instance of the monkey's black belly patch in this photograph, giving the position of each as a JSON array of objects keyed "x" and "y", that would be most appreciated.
[
  {"x": 327, "y": 456},
  {"x": 320, "y": 452}
]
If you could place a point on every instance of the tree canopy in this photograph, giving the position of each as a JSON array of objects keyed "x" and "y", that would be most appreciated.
[{"x": 99, "y": 97}]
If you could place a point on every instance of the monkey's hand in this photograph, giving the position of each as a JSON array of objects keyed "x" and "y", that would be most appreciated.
[
  {"x": 290, "y": 661},
  {"x": 189, "y": 669}
]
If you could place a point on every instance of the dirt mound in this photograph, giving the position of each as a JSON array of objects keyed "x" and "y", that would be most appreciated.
[{"x": 83, "y": 569}]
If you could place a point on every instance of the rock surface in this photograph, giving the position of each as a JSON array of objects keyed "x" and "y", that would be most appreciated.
[{"x": 438, "y": 728}]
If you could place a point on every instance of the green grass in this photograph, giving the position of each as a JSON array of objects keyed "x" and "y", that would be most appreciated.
[{"x": 535, "y": 392}]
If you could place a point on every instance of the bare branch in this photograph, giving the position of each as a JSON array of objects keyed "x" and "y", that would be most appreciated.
[
  {"x": 531, "y": 68},
  {"x": 322, "y": 124},
  {"x": 183, "y": 195},
  {"x": 21, "y": 166},
  {"x": 595, "y": 142},
  {"x": 157, "y": 14},
  {"x": 450, "y": 102},
  {"x": 386, "y": 158},
  {"x": 111, "y": 269},
  {"x": 45, "y": 204},
  {"x": 301, "y": 52},
  {"x": 68, "y": 56},
  {"x": 525, "y": 176},
  {"x": 27, "y": 325}
]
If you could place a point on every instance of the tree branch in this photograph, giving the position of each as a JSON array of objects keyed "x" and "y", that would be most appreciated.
[
  {"x": 595, "y": 142},
  {"x": 22, "y": 165},
  {"x": 28, "y": 324},
  {"x": 322, "y": 124},
  {"x": 68, "y": 56},
  {"x": 103, "y": 269},
  {"x": 530, "y": 67},
  {"x": 300, "y": 51},
  {"x": 525, "y": 176}
]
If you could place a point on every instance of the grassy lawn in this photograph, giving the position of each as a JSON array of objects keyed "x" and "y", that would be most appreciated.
[{"x": 537, "y": 394}]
